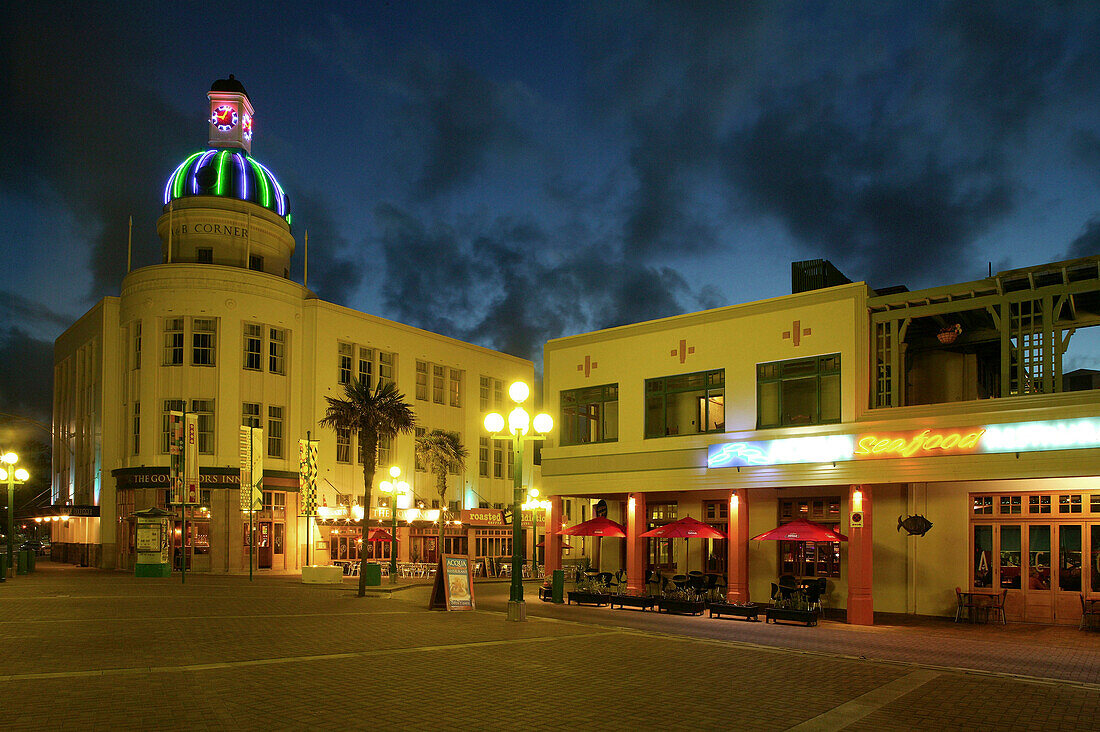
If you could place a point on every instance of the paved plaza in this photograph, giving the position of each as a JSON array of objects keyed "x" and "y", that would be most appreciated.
[{"x": 86, "y": 649}]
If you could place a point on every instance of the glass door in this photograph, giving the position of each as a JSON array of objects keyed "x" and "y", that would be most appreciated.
[
  {"x": 1038, "y": 603},
  {"x": 1094, "y": 560},
  {"x": 1069, "y": 581}
]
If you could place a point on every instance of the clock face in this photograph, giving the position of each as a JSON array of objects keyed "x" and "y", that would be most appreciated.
[
  {"x": 246, "y": 127},
  {"x": 224, "y": 117}
]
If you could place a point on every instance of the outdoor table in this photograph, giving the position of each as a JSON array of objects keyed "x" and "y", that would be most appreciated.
[{"x": 979, "y": 612}]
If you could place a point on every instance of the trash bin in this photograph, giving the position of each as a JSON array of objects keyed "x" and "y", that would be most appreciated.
[
  {"x": 21, "y": 562},
  {"x": 557, "y": 589},
  {"x": 31, "y": 560},
  {"x": 373, "y": 573}
]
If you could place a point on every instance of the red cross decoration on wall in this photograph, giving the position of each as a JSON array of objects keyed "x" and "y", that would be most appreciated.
[
  {"x": 796, "y": 332},
  {"x": 683, "y": 351},
  {"x": 587, "y": 366}
]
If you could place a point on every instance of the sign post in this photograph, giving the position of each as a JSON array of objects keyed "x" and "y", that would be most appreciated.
[
  {"x": 307, "y": 484},
  {"x": 252, "y": 477},
  {"x": 454, "y": 587}
]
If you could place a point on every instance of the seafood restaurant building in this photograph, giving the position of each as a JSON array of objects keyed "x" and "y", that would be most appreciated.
[{"x": 952, "y": 433}]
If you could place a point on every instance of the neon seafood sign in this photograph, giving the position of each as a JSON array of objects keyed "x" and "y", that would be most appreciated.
[{"x": 1065, "y": 434}]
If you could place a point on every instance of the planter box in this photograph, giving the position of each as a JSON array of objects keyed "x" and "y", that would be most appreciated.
[
  {"x": 775, "y": 614},
  {"x": 588, "y": 598},
  {"x": 681, "y": 607},
  {"x": 322, "y": 575},
  {"x": 638, "y": 601},
  {"x": 748, "y": 612}
]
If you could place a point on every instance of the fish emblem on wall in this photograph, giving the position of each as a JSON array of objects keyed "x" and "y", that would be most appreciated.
[{"x": 914, "y": 525}]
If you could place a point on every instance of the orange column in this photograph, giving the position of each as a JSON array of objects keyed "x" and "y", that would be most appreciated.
[
  {"x": 737, "y": 560},
  {"x": 553, "y": 538},
  {"x": 635, "y": 544},
  {"x": 861, "y": 609}
]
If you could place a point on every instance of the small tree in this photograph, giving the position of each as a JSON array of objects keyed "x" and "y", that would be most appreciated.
[
  {"x": 369, "y": 414},
  {"x": 441, "y": 452}
]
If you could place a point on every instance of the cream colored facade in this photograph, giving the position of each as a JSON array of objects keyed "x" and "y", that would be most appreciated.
[
  {"x": 911, "y": 574},
  {"x": 219, "y": 328}
]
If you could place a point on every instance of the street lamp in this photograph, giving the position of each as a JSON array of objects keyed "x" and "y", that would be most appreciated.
[
  {"x": 519, "y": 424},
  {"x": 14, "y": 476},
  {"x": 533, "y": 504},
  {"x": 395, "y": 489}
]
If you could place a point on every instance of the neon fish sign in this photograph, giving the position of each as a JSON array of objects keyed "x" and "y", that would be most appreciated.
[{"x": 1065, "y": 434}]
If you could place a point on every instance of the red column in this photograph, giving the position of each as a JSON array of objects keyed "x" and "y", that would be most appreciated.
[
  {"x": 737, "y": 560},
  {"x": 861, "y": 609},
  {"x": 553, "y": 538},
  {"x": 635, "y": 544}
]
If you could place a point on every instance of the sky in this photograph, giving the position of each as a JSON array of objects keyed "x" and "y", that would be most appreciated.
[{"x": 506, "y": 173}]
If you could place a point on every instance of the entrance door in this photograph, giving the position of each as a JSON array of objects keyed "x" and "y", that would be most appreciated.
[
  {"x": 1068, "y": 579},
  {"x": 264, "y": 546},
  {"x": 278, "y": 537},
  {"x": 1057, "y": 574}
]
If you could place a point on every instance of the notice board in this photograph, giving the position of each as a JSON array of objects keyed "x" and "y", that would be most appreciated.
[{"x": 454, "y": 587}]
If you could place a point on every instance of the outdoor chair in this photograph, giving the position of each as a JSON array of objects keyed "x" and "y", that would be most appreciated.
[
  {"x": 711, "y": 586},
  {"x": 652, "y": 583},
  {"x": 997, "y": 605},
  {"x": 813, "y": 595},
  {"x": 1090, "y": 614},
  {"x": 620, "y": 581},
  {"x": 604, "y": 580},
  {"x": 964, "y": 602}
]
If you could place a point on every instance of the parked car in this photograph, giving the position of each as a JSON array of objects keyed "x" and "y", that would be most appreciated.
[{"x": 33, "y": 545}]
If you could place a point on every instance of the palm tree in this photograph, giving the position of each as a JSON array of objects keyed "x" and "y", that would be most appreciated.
[
  {"x": 370, "y": 414},
  {"x": 441, "y": 452}
]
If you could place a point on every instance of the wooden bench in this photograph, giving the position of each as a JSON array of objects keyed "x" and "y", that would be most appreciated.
[
  {"x": 639, "y": 601},
  {"x": 748, "y": 612}
]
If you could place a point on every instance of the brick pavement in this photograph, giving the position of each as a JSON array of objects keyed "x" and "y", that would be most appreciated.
[{"x": 81, "y": 649}]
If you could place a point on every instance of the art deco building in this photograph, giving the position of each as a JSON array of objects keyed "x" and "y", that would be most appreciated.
[{"x": 218, "y": 328}]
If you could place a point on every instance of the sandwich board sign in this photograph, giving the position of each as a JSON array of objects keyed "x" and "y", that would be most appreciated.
[{"x": 454, "y": 587}]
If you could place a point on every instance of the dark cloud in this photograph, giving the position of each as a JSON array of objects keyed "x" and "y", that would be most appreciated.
[
  {"x": 16, "y": 308},
  {"x": 92, "y": 130},
  {"x": 26, "y": 375},
  {"x": 336, "y": 269},
  {"x": 1087, "y": 243}
]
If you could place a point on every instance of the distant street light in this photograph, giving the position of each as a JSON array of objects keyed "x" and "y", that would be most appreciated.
[
  {"x": 14, "y": 476},
  {"x": 395, "y": 489},
  {"x": 519, "y": 423},
  {"x": 533, "y": 504}
]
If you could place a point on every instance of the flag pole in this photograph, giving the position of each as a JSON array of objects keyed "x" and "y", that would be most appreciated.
[
  {"x": 170, "y": 231},
  {"x": 305, "y": 278},
  {"x": 129, "y": 244}
]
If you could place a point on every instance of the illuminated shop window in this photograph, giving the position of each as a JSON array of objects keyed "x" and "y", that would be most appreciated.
[
  {"x": 590, "y": 415},
  {"x": 810, "y": 559},
  {"x": 797, "y": 392},
  {"x": 686, "y": 404}
]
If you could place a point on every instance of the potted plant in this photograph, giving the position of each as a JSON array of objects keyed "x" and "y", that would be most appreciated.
[{"x": 949, "y": 334}]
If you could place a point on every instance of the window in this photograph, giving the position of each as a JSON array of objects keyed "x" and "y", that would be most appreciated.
[
  {"x": 385, "y": 444},
  {"x": 170, "y": 405},
  {"x": 136, "y": 331},
  {"x": 1069, "y": 504},
  {"x": 1038, "y": 504},
  {"x": 366, "y": 366},
  {"x": 486, "y": 385},
  {"x": 173, "y": 342},
  {"x": 456, "y": 388},
  {"x": 346, "y": 352},
  {"x": 983, "y": 504},
  {"x": 204, "y": 255},
  {"x": 275, "y": 432},
  {"x": 343, "y": 445},
  {"x": 418, "y": 433},
  {"x": 256, "y": 262},
  {"x": 204, "y": 408},
  {"x": 498, "y": 459},
  {"x": 250, "y": 415},
  {"x": 810, "y": 559},
  {"x": 1011, "y": 504},
  {"x": 483, "y": 457},
  {"x": 385, "y": 367},
  {"x": 253, "y": 346},
  {"x": 421, "y": 381},
  {"x": 685, "y": 405},
  {"x": 276, "y": 351},
  {"x": 498, "y": 393},
  {"x": 438, "y": 372},
  {"x": 137, "y": 427},
  {"x": 802, "y": 391},
  {"x": 590, "y": 415},
  {"x": 202, "y": 341}
]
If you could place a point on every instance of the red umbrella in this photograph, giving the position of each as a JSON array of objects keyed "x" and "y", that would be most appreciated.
[
  {"x": 800, "y": 530},
  {"x": 685, "y": 528},
  {"x": 379, "y": 535},
  {"x": 563, "y": 544},
  {"x": 598, "y": 526}
]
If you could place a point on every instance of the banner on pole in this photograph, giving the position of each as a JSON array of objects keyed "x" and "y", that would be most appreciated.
[
  {"x": 257, "y": 469},
  {"x": 175, "y": 455},
  {"x": 246, "y": 466},
  {"x": 307, "y": 476},
  {"x": 191, "y": 494}
]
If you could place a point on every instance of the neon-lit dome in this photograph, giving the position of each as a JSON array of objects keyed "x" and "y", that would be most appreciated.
[{"x": 228, "y": 173}]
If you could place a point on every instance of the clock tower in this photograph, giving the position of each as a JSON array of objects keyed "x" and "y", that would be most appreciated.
[{"x": 230, "y": 115}]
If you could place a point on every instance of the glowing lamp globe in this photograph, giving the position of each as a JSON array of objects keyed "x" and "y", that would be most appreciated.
[
  {"x": 21, "y": 474},
  {"x": 10, "y": 458},
  {"x": 494, "y": 422},
  {"x": 518, "y": 421},
  {"x": 519, "y": 392},
  {"x": 385, "y": 486},
  {"x": 395, "y": 472},
  {"x": 3, "y": 474},
  {"x": 543, "y": 423},
  {"x": 534, "y": 493}
]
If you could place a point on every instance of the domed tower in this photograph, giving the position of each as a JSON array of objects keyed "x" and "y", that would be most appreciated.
[{"x": 221, "y": 205}]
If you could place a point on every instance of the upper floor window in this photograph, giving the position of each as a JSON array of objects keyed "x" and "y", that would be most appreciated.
[
  {"x": 205, "y": 410},
  {"x": 485, "y": 386},
  {"x": 386, "y": 361},
  {"x": 203, "y": 334},
  {"x": 275, "y": 432},
  {"x": 343, "y": 445},
  {"x": 344, "y": 364},
  {"x": 276, "y": 351},
  {"x": 456, "y": 387},
  {"x": 204, "y": 255},
  {"x": 498, "y": 394},
  {"x": 250, "y": 414},
  {"x": 687, "y": 404},
  {"x": 253, "y": 346},
  {"x": 256, "y": 262},
  {"x": 366, "y": 366},
  {"x": 137, "y": 427},
  {"x": 136, "y": 331},
  {"x": 385, "y": 451},
  {"x": 173, "y": 342},
  {"x": 437, "y": 383},
  {"x": 801, "y": 391},
  {"x": 590, "y": 415},
  {"x": 483, "y": 457},
  {"x": 422, "y": 380},
  {"x": 170, "y": 405},
  {"x": 418, "y": 433}
]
